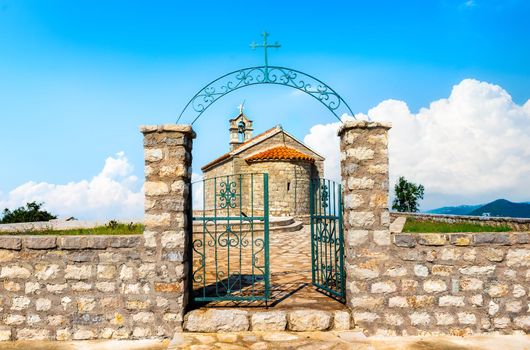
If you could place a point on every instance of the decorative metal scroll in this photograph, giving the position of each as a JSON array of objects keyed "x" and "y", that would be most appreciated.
[
  {"x": 230, "y": 242},
  {"x": 265, "y": 75},
  {"x": 327, "y": 238}
]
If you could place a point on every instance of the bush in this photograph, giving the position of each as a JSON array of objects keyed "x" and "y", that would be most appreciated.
[{"x": 32, "y": 212}]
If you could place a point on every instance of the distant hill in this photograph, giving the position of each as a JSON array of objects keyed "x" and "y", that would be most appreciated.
[
  {"x": 459, "y": 210},
  {"x": 499, "y": 208},
  {"x": 503, "y": 207}
]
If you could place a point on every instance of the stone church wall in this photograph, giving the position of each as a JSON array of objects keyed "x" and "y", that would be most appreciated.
[
  {"x": 283, "y": 174},
  {"x": 282, "y": 202}
]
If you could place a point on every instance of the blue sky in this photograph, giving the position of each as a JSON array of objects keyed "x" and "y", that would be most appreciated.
[{"x": 78, "y": 78}]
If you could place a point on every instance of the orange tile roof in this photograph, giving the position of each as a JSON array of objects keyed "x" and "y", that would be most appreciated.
[
  {"x": 280, "y": 153},
  {"x": 229, "y": 154}
]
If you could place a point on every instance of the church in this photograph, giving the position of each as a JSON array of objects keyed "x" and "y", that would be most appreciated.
[{"x": 291, "y": 165}]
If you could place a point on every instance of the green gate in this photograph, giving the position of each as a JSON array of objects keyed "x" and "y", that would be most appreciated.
[
  {"x": 327, "y": 238},
  {"x": 230, "y": 244}
]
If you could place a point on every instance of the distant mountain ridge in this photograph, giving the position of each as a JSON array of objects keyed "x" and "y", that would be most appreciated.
[{"x": 497, "y": 208}]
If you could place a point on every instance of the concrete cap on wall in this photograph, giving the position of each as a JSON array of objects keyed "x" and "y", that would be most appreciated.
[
  {"x": 362, "y": 124},
  {"x": 183, "y": 128}
]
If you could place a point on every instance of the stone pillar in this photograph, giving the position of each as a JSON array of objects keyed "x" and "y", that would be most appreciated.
[
  {"x": 364, "y": 170},
  {"x": 167, "y": 150}
]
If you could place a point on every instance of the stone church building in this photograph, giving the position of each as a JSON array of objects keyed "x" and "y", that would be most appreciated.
[{"x": 290, "y": 165}]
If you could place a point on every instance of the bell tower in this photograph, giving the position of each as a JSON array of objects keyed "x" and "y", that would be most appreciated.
[{"x": 240, "y": 129}]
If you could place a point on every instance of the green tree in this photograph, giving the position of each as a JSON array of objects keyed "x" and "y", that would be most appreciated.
[
  {"x": 407, "y": 197},
  {"x": 32, "y": 212}
]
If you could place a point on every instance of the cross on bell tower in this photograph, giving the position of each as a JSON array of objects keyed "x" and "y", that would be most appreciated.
[{"x": 265, "y": 46}]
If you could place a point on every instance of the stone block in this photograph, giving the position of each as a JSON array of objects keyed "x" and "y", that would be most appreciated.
[
  {"x": 444, "y": 318},
  {"x": 404, "y": 240},
  {"x": 156, "y": 188},
  {"x": 394, "y": 319},
  {"x": 32, "y": 334},
  {"x": 396, "y": 271},
  {"x": 40, "y": 242},
  {"x": 83, "y": 334},
  {"x": 356, "y": 237},
  {"x": 523, "y": 322},
  {"x": 361, "y": 219},
  {"x": 14, "y": 271},
  {"x": 451, "y": 300},
  {"x": 130, "y": 241},
  {"x": 153, "y": 154},
  {"x": 421, "y": 270},
  {"x": 43, "y": 304},
  {"x": 398, "y": 302},
  {"x": 341, "y": 320},
  {"x": 420, "y": 319},
  {"x": 382, "y": 237},
  {"x": 518, "y": 291},
  {"x": 491, "y": 238},
  {"x": 106, "y": 272},
  {"x": 420, "y": 301},
  {"x": 494, "y": 254},
  {"x": 466, "y": 318},
  {"x": 213, "y": 320},
  {"x": 78, "y": 272},
  {"x": 432, "y": 239},
  {"x": 5, "y": 334},
  {"x": 478, "y": 270},
  {"x": 460, "y": 239},
  {"x": 442, "y": 270},
  {"x": 353, "y": 201},
  {"x": 366, "y": 302},
  {"x": 434, "y": 286},
  {"x": 82, "y": 242},
  {"x": 498, "y": 290},
  {"x": 383, "y": 287},
  {"x": 172, "y": 239},
  {"x": 144, "y": 317},
  {"x": 176, "y": 287},
  {"x": 471, "y": 283},
  {"x": 308, "y": 320},
  {"x": 10, "y": 242},
  {"x": 157, "y": 220},
  {"x": 477, "y": 300},
  {"x": 20, "y": 303},
  {"x": 269, "y": 321},
  {"x": 365, "y": 317},
  {"x": 501, "y": 322},
  {"x": 518, "y": 258}
]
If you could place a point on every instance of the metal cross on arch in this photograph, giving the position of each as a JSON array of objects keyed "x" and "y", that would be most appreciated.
[{"x": 265, "y": 74}]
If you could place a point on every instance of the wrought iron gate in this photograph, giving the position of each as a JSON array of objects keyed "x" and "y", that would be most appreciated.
[
  {"x": 230, "y": 244},
  {"x": 327, "y": 238}
]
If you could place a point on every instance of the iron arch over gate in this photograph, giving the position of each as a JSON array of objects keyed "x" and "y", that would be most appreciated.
[{"x": 265, "y": 75}]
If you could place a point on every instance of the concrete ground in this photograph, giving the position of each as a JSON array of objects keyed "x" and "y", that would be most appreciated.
[{"x": 285, "y": 340}]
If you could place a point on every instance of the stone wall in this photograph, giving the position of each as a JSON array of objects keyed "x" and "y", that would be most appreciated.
[
  {"x": 410, "y": 284},
  {"x": 517, "y": 224},
  {"x": 100, "y": 287}
]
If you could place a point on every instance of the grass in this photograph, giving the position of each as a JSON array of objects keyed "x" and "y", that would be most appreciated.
[
  {"x": 112, "y": 228},
  {"x": 413, "y": 225}
]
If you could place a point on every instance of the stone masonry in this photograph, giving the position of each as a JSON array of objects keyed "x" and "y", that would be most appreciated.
[
  {"x": 101, "y": 287},
  {"x": 413, "y": 284}
]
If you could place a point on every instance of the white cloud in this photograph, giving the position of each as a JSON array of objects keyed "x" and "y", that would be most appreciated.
[
  {"x": 473, "y": 146},
  {"x": 109, "y": 195}
]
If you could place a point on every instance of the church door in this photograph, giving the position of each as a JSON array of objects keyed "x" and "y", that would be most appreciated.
[
  {"x": 230, "y": 241},
  {"x": 327, "y": 238}
]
